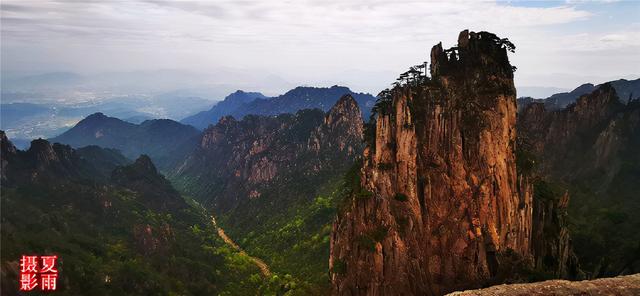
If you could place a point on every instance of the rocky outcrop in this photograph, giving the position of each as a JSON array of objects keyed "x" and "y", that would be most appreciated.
[
  {"x": 622, "y": 286},
  {"x": 152, "y": 240},
  {"x": 7, "y": 151},
  {"x": 441, "y": 207},
  {"x": 551, "y": 244},
  {"x": 341, "y": 129}
]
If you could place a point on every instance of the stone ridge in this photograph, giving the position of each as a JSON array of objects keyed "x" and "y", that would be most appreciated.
[{"x": 46, "y": 163}]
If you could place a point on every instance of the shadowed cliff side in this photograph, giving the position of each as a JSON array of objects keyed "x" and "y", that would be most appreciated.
[{"x": 588, "y": 149}]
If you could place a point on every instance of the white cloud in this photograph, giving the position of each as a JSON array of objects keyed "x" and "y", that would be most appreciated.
[
  {"x": 303, "y": 41},
  {"x": 617, "y": 38}
]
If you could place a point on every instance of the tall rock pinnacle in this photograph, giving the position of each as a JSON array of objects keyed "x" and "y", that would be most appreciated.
[{"x": 440, "y": 202}]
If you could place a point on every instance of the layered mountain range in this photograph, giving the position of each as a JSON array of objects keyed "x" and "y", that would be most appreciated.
[
  {"x": 240, "y": 104},
  {"x": 164, "y": 140},
  {"x": 627, "y": 90},
  {"x": 228, "y": 106}
]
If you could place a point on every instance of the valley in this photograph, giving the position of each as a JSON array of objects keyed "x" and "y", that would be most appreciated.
[{"x": 264, "y": 268}]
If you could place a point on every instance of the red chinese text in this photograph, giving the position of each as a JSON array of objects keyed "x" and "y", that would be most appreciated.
[{"x": 42, "y": 273}]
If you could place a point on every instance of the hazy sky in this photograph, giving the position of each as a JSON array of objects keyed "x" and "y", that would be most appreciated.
[{"x": 362, "y": 44}]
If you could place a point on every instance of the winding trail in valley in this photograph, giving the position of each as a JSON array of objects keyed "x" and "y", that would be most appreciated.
[{"x": 264, "y": 268}]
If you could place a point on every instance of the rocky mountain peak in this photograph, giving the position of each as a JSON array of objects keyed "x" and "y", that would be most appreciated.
[
  {"x": 345, "y": 110},
  {"x": 42, "y": 151},
  {"x": 482, "y": 50},
  {"x": 598, "y": 103},
  {"x": 153, "y": 189},
  {"x": 342, "y": 128},
  {"x": 142, "y": 168},
  {"x": 96, "y": 116},
  {"x": 164, "y": 140},
  {"x": 44, "y": 162},
  {"x": 241, "y": 104},
  {"x": 227, "y": 120},
  {"x": 144, "y": 165},
  {"x": 242, "y": 156},
  {"x": 627, "y": 91},
  {"x": 96, "y": 119},
  {"x": 346, "y": 102},
  {"x": 584, "y": 88},
  {"x": 243, "y": 97},
  {"x": 5, "y": 145}
]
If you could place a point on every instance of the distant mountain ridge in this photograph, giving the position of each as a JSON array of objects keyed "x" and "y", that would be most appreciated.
[
  {"x": 32, "y": 118},
  {"x": 626, "y": 90},
  {"x": 241, "y": 103},
  {"x": 225, "y": 107},
  {"x": 164, "y": 140}
]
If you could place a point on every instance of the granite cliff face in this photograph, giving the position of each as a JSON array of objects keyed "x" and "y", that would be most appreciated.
[
  {"x": 238, "y": 159},
  {"x": 442, "y": 206}
]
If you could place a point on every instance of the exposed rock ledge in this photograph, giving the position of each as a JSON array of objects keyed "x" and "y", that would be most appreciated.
[{"x": 622, "y": 286}]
